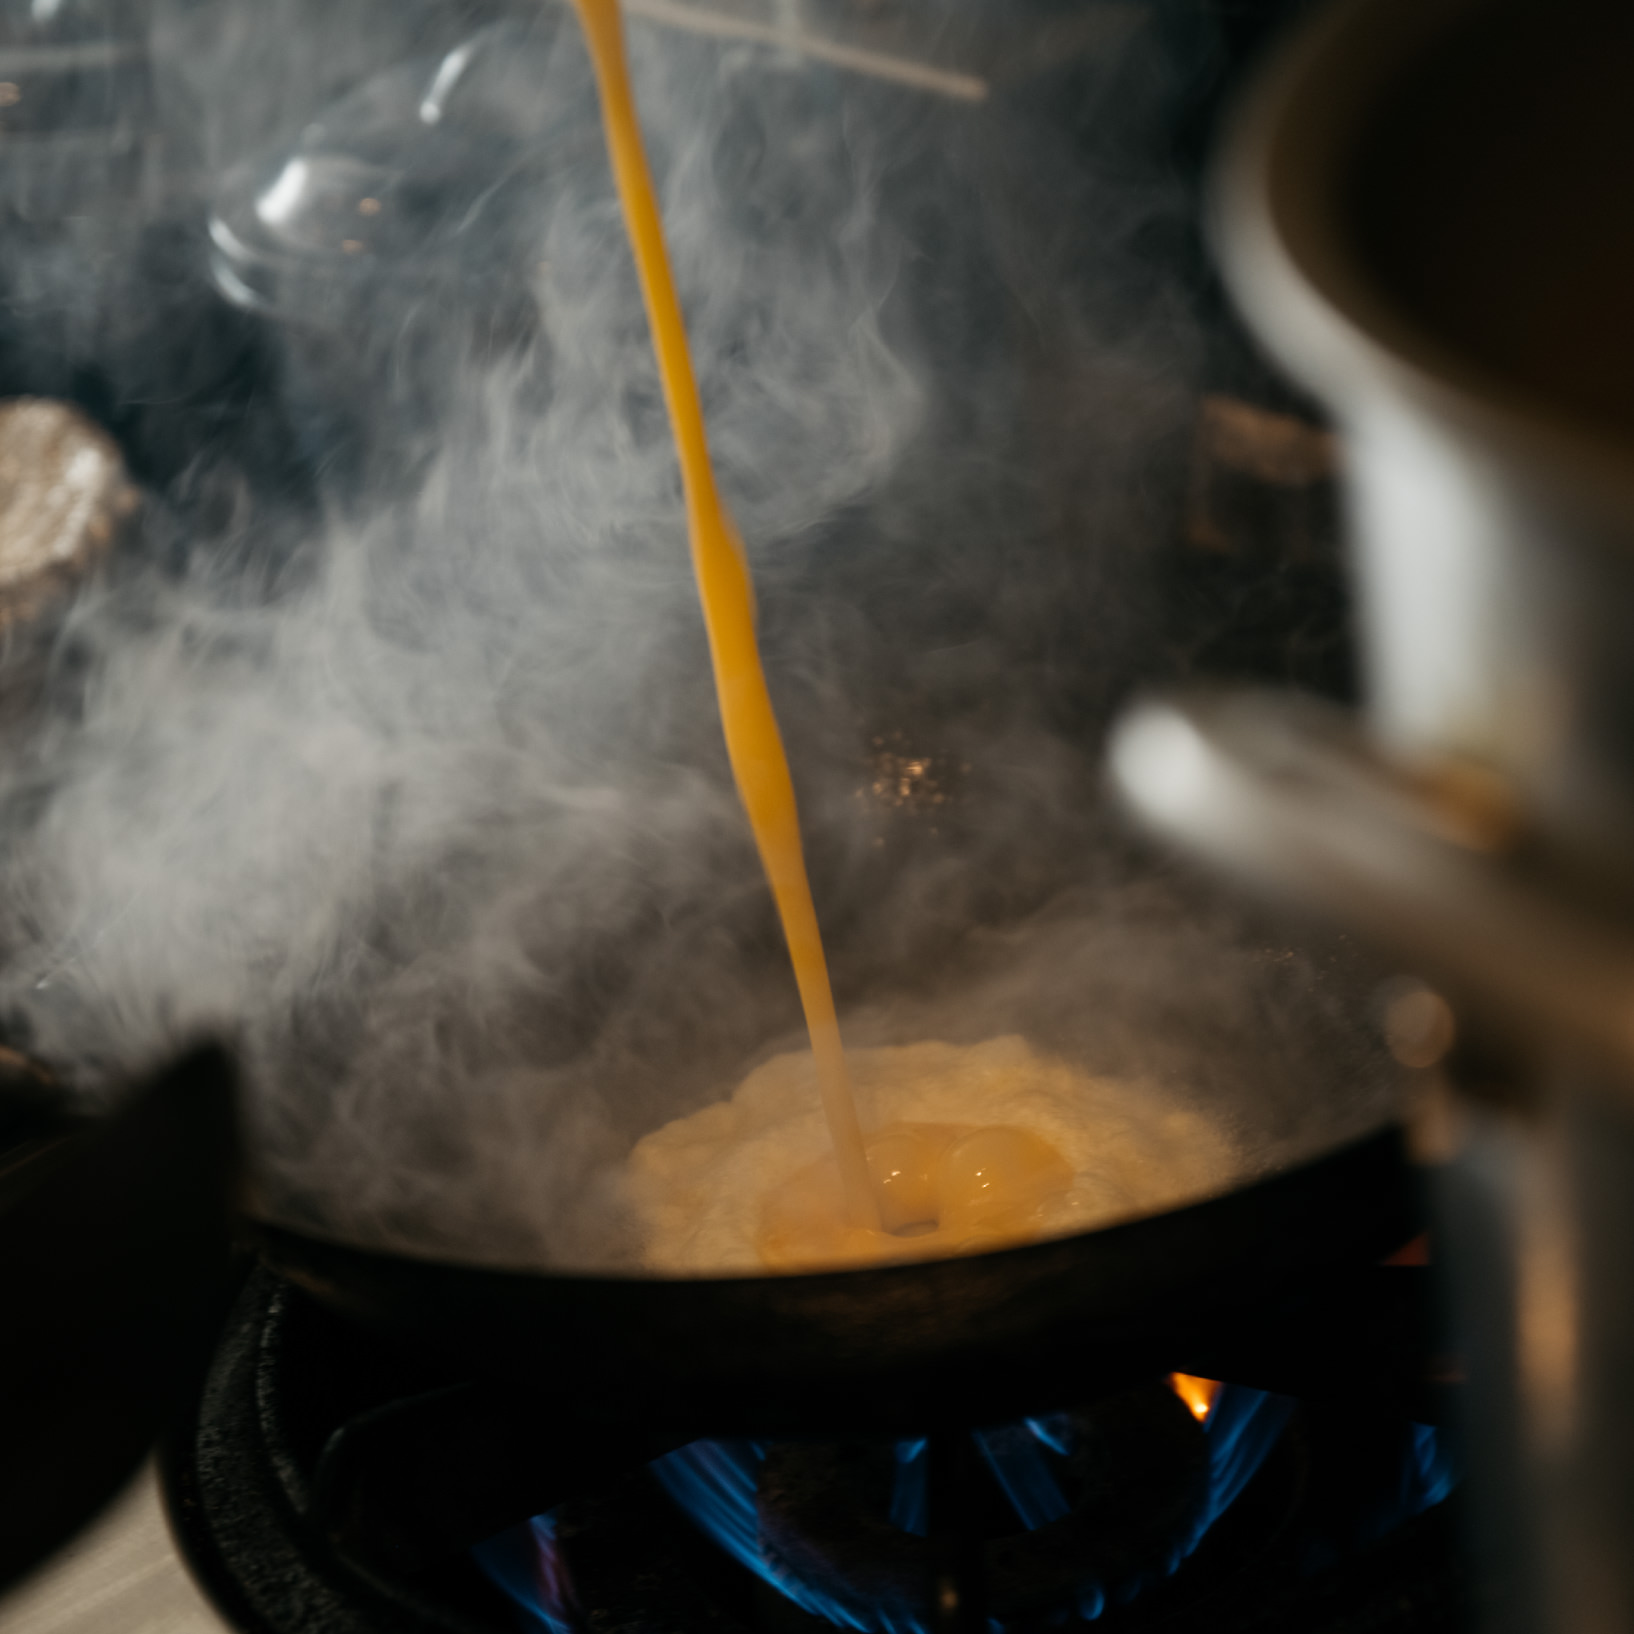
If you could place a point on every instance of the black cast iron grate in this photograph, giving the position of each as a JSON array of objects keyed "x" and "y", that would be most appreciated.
[{"x": 329, "y": 1482}]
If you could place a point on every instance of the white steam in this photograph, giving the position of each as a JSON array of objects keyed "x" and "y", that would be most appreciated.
[{"x": 440, "y": 828}]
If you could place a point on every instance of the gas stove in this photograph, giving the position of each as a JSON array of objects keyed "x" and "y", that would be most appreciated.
[{"x": 1132, "y": 1512}]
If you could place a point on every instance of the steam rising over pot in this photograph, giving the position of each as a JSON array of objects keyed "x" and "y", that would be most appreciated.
[{"x": 441, "y": 827}]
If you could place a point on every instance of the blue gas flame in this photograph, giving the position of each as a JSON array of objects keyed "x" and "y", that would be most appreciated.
[
  {"x": 526, "y": 1563},
  {"x": 715, "y": 1483}
]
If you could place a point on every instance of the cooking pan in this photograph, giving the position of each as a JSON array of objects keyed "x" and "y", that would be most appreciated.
[
  {"x": 896, "y": 1349},
  {"x": 1150, "y": 980}
]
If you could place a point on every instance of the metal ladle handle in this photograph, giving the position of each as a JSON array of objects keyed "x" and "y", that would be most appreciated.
[{"x": 1291, "y": 797}]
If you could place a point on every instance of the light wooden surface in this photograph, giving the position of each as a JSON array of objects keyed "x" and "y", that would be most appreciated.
[{"x": 122, "y": 1575}]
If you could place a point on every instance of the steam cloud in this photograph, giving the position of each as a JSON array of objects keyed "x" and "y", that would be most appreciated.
[{"x": 436, "y": 822}]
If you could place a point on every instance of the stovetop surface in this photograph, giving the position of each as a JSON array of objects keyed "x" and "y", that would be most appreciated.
[
  {"x": 123, "y": 1575},
  {"x": 1300, "y": 1552}
]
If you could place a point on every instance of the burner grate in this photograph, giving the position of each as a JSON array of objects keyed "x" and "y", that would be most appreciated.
[{"x": 264, "y": 1504}]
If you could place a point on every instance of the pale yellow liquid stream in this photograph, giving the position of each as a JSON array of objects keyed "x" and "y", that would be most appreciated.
[{"x": 752, "y": 739}]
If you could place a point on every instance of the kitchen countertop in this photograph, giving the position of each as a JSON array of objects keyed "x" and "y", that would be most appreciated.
[{"x": 121, "y": 1575}]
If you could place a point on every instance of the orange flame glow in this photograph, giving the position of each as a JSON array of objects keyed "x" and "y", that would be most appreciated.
[
  {"x": 1417, "y": 1252},
  {"x": 1198, "y": 1394}
]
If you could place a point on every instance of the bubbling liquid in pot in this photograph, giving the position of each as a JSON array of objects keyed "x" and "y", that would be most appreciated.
[
  {"x": 943, "y": 1188},
  {"x": 977, "y": 1146}
]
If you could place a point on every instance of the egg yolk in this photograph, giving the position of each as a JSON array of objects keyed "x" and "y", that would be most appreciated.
[{"x": 943, "y": 1189}]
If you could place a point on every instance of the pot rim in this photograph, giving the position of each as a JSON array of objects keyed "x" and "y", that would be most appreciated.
[{"x": 1277, "y": 225}]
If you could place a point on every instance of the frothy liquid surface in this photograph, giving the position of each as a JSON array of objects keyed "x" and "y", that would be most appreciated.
[
  {"x": 974, "y": 1146},
  {"x": 943, "y": 1188}
]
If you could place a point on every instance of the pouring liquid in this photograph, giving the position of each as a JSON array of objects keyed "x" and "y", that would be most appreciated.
[
  {"x": 753, "y": 742},
  {"x": 993, "y": 1180}
]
